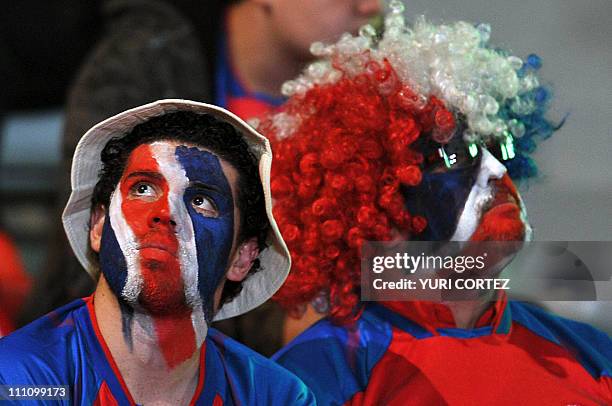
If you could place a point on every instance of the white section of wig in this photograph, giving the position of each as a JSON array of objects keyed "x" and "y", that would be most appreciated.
[{"x": 450, "y": 61}]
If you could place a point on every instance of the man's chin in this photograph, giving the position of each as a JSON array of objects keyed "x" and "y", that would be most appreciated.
[
  {"x": 162, "y": 293},
  {"x": 163, "y": 288},
  {"x": 163, "y": 304}
]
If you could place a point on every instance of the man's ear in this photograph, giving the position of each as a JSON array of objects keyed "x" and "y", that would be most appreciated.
[
  {"x": 243, "y": 260},
  {"x": 96, "y": 224}
]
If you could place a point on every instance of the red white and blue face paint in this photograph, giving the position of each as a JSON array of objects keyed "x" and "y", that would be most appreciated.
[
  {"x": 167, "y": 239},
  {"x": 476, "y": 200},
  {"x": 493, "y": 209}
]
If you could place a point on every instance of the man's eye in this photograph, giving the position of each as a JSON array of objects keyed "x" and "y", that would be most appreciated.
[
  {"x": 204, "y": 206},
  {"x": 143, "y": 189}
]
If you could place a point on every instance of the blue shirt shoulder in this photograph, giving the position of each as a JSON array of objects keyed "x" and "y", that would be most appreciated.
[
  {"x": 592, "y": 347},
  {"x": 335, "y": 361},
  {"x": 40, "y": 353},
  {"x": 261, "y": 381},
  {"x": 50, "y": 351}
]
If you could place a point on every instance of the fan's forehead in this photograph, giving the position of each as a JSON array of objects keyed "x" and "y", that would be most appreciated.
[{"x": 164, "y": 154}]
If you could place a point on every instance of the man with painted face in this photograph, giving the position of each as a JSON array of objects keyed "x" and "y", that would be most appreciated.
[
  {"x": 170, "y": 203},
  {"x": 233, "y": 53},
  {"x": 415, "y": 135}
]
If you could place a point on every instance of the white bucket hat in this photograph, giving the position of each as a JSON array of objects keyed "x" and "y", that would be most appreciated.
[{"x": 86, "y": 166}]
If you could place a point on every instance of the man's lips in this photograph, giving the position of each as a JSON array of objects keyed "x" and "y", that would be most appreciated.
[
  {"x": 504, "y": 193},
  {"x": 159, "y": 247}
]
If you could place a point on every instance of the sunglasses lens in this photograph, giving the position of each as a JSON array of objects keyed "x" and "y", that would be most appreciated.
[
  {"x": 452, "y": 156},
  {"x": 503, "y": 148}
]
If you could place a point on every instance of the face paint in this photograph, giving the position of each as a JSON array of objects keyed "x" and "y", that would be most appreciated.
[
  {"x": 213, "y": 234},
  {"x": 440, "y": 198},
  {"x": 503, "y": 218},
  {"x": 455, "y": 202},
  {"x": 145, "y": 206},
  {"x": 167, "y": 239},
  {"x": 449, "y": 172},
  {"x": 481, "y": 194}
]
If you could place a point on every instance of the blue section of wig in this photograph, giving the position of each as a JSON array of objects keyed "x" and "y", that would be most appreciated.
[
  {"x": 537, "y": 127},
  {"x": 112, "y": 261},
  {"x": 213, "y": 236}
]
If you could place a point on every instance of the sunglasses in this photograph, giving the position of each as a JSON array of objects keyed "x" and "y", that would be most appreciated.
[{"x": 458, "y": 154}]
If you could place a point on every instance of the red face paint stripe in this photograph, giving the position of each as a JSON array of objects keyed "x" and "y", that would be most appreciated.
[
  {"x": 176, "y": 338},
  {"x": 151, "y": 221},
  {"x": 507, "y": 182},
  {"x": 502, "y": 222}
]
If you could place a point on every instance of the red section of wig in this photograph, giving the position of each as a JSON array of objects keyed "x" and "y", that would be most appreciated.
[{"x": 336, "y": 179}]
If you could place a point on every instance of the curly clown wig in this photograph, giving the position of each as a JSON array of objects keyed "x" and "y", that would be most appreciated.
[{"x": 351, "y": 134}]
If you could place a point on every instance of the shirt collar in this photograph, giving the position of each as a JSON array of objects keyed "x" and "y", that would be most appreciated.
[
  {"x": 437, "y": 318},
  {"x": 208, "y": 387}
]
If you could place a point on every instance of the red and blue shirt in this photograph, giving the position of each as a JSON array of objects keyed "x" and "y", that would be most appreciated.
[
  {"x": 412, "y": 353},
  {"x": 65, "y": 348}
]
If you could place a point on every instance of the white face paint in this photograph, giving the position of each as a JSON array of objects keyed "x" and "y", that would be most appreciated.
[
  {"x": 480, "y": 195},
  {"x": 129, "y": 246},
  {"x": 174, "y": 173}
]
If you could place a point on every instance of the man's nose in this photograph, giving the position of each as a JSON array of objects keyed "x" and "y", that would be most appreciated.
[
  {"x": 161, "y": 216},
  {"x": 490, "y": 168},
  {"x": 369, "y": 8}
]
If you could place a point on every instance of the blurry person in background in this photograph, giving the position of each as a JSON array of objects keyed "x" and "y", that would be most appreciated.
[
  {"x": 235, "y": 54},
  {"x": 15, "y": 284},
  {"x": 170, "y": 211},
  {"x": 416, "y": 135}
]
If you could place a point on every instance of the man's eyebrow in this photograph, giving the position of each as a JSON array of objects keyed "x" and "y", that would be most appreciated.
[
  {"x": 146, "y": 174},
  {"x": 205, "y": 186}
]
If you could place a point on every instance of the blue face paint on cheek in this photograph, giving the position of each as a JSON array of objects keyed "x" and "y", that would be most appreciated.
[
  {"x": 114, "y": 267},
  {"x": 112, "y": 261},
  {"x": 440, "y": 198},
  {"x": 213, "y": 236}
]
